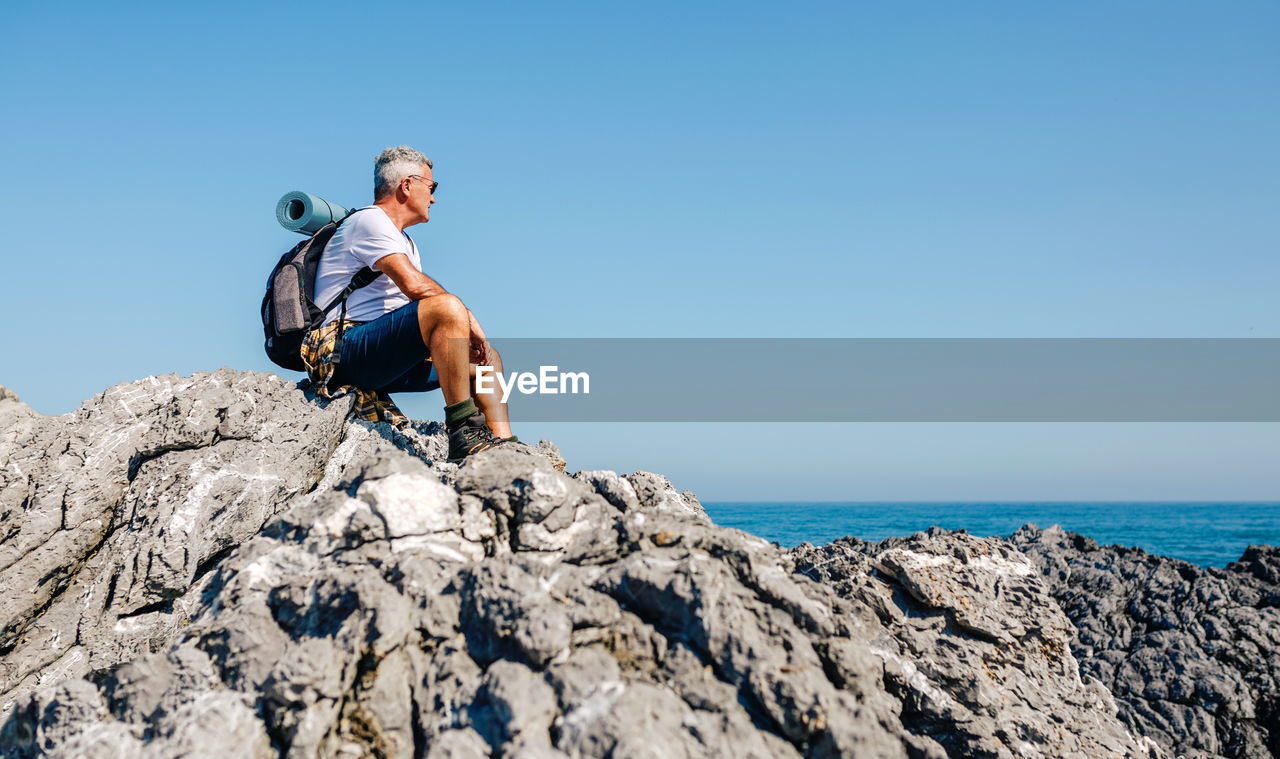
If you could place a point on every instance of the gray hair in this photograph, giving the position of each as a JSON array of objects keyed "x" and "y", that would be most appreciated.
[{"x": 393, "y": 165}]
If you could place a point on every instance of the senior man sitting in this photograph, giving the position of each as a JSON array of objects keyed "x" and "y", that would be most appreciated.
[{"x": 404, "y": 332}]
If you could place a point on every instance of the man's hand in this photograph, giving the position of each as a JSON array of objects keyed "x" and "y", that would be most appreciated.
[
  {"x": 479, "y": 345},
  {"x": 479, "y": 351}
]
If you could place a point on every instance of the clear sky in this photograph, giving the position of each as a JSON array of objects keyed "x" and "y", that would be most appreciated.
[{"x": 725, "y": 169}]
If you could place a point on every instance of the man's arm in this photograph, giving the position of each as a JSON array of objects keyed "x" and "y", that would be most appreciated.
[
  {"x": 418, "y": 286},
  {"x": 413, "y": 283}
]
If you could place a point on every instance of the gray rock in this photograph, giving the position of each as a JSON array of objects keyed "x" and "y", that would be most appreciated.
[
  {"x": 973, "y": 646},
  {"x": 458, "y": 744},
  {"x": 219, "y": 565},
  {"x": 1192, "y": 655},
  {"x": 656, "y": 493},
  {"x": 615, "y": 489},
  {"x": 114, "y": 514},
  {"x": 514, "y": 707},
  {"x": 507, "y": 612}
]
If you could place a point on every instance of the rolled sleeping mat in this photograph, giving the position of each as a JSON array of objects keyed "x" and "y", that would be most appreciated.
[{"x": 304, "y": 213}]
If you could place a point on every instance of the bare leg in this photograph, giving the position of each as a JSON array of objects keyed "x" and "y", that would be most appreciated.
[
  {"x": 445, "y": 327},
  {"x": 495, "y": 411}
]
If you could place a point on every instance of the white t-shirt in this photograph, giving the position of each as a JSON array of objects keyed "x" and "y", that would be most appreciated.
[{"x": 360, "y": 241}]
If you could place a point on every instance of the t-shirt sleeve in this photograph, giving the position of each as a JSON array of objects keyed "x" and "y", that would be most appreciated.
[{"x": 372, "y": 240}]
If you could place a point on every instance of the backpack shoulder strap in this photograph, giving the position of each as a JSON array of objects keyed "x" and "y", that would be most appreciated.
[
  {"x": 364, "y": 277},
  {"x": 352, "y": 211}
]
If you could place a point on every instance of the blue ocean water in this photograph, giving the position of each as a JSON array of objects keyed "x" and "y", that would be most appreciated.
[{"x": 1208, "y": 533}]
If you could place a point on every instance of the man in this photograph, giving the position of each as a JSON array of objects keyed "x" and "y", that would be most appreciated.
[{"x": 404, "y": 332}]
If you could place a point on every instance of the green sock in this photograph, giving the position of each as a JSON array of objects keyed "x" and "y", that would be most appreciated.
[
  {"x": 512, "y": 439},
  {"x": 459, "y": 411}
]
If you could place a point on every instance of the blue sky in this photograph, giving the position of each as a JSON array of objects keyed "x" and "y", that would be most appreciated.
[{"x": 676, "y": 169}]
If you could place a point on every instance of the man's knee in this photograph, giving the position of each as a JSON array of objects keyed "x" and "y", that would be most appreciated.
[{"x": 441, "y": 308}]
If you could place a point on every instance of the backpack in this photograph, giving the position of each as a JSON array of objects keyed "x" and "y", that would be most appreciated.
[{"x": 289, "y": 310}]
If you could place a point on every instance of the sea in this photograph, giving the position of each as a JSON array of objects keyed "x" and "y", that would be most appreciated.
[{"x": 1207, "y": 533}]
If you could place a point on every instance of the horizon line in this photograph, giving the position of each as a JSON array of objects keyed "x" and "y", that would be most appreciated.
[{"x": 996, "y": 502}]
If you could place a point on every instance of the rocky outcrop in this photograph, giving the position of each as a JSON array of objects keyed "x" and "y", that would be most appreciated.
[
  {"x": 1191, "y": 654},
  {"x": 221, "y": 566},
  {"x": 113, "y": 516},
  {"x": 973, "y": 646}
]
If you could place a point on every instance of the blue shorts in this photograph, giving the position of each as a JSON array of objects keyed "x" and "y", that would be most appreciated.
[{"x": 387, "y": 354}]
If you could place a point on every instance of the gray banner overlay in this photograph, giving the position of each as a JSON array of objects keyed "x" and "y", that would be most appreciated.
[{"x": 900, "y": 380}]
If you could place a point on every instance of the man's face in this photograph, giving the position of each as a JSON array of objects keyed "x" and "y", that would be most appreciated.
[{"x": 420, "y": 196}]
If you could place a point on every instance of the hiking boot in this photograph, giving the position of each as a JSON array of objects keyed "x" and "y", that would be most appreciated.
[{"x": 471, "y": 435}]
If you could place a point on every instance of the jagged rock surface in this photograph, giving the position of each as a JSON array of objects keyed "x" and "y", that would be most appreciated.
[
  {"x": 1191, "y": 654},
  {"x": 973, "y": 645},
  {"x": 344, "y": 593},
  {"x": 114, "y": 515}
]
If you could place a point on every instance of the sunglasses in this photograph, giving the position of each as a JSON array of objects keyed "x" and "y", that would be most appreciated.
[{"x": 431, "y": 189}]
